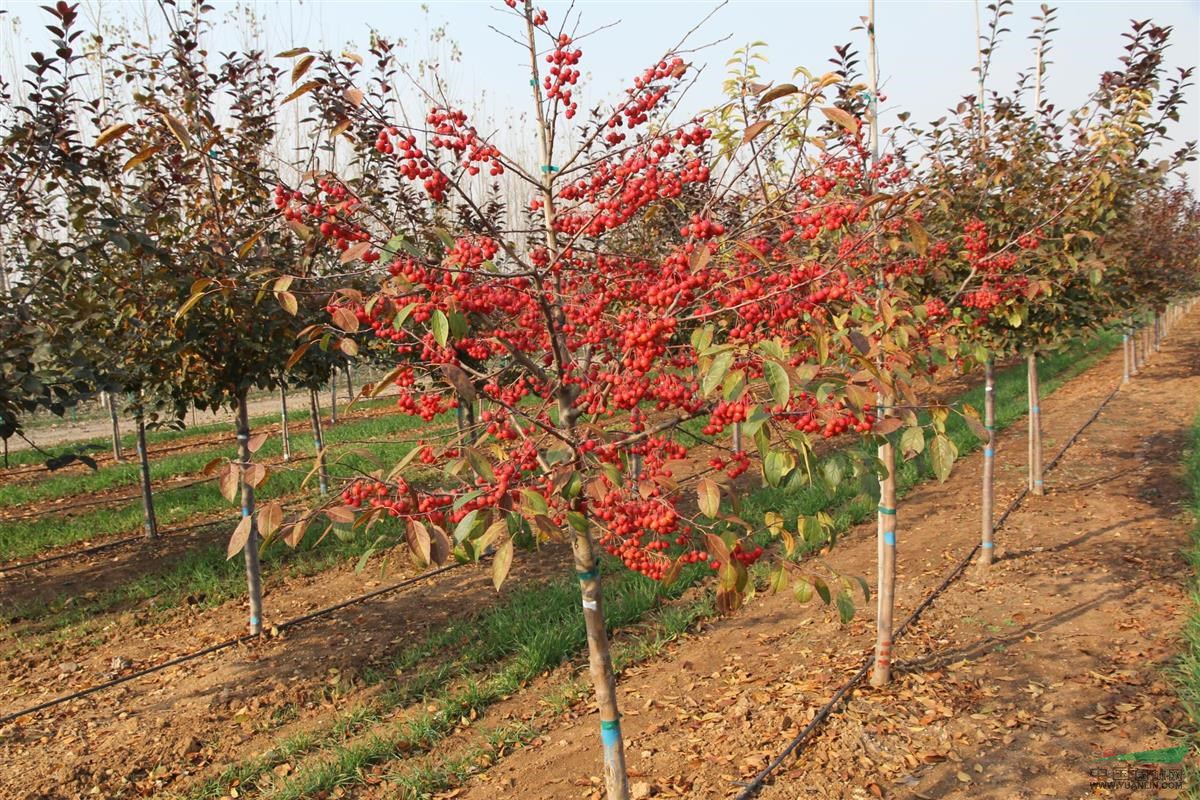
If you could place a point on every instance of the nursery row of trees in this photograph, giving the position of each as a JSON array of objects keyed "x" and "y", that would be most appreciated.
[{"x": 626, "y": 322}]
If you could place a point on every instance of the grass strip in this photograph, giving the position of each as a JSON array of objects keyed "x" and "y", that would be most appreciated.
[{"x": 1186, "y": 672}]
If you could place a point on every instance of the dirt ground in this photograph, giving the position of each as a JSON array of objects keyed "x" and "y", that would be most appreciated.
[
  {"x": 1009, "y": 687},
  {"x": 1012, "y": 685}
]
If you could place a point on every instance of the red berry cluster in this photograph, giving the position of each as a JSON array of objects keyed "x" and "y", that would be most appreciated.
[{"x": 563, "y": 59}]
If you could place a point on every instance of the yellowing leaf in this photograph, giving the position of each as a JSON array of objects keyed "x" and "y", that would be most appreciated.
[
  {"x": 345, "y": 319},
  {"x": 179, "y": 130},
  {"x": 355, "y": 251},
  {"x": 755, "y": 129},
  {"x": 841, "y": 117},
  {"x": 776, "y": 92},
  {"x": 140, "y": 157},
  {"x": 113, "y": 132},
  {"x": 270, "y": 516},
  {"x": 341, "y": 514},
  {"x": 301, "y": 67},
  {"x": 708, "y": 496},
  {"x": 301, "y": 90},
  {"x": 287, "y": 301},
  {"x": 502, "y": 563}
]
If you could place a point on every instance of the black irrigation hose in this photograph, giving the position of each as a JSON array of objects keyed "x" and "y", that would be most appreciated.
[
  {"x": 228, "y": 643},
  {"x": 755, "y": 785},
  {"x": 98, "y": 548}
]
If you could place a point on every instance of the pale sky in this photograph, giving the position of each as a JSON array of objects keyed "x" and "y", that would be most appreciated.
[{"x": 927, "y": 49}]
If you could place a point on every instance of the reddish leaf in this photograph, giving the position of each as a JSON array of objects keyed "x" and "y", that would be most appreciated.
[{"x": 241, "y": 535}]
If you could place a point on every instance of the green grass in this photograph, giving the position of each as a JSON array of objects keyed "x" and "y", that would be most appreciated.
[
  {"x": 25, "y": 538},
  {"x": 113, "y": 475},
  {"x": 162, "y": 436},
  {"x": 1187, "y": 670}
]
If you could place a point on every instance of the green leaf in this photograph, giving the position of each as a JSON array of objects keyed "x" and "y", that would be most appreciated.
[
  {"x": 778, "y": 580},
  {"x": 942, "y": 453},
  {"x": 833, "y": 471},
  {"x": 465, "y": 525},
  {"x": 778, "y": 381},
  {"x": 716, "y": 373},
  {"x": 777, "y": 465},
  {"x": 866, "y": 589},
  {"x": 402, "y": 315},
  {"x": 912, "y": 442},
  {"x": 535, "y": 502},
  {"x": 845, "y": 606},
  {"x": 803, "y": 590},
  {"x": 822, "y": 590},
  {"x": 441, "y": 327}
]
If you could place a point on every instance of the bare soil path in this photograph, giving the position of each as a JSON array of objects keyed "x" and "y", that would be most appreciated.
[{"x": 1012, "y": 685}]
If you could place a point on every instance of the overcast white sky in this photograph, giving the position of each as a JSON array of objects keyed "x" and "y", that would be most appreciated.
[{"x": 926, "y": 46}]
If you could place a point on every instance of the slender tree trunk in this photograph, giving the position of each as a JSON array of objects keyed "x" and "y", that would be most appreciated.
[
  {"x": 1157, "y": 331},
  {"x": 587, "y": 569},
  {"x": 150, "y": 521},
  {"x": 110, "y": 401},
  {"x": 986, "y": 545},
  {"x": 1126, "y": 358},
  {"x": 349, "y": 385},
  {"x": 314, "y": 414},
  {"x": 1036, "y": 484},
  {"x": 737, "y": 437},
  {"x": 333, "y": 398},
  {"x": 886, "y": 541},
  {"x": 6, "y": 452},
  {"x": 253, "y": 567},
  {"x": 886, "y": 536},
  {"x": 1133, "y": 348},
  {"x": 283, "y": 423}
]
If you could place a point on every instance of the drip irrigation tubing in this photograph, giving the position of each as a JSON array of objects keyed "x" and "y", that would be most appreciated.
[
  {"x": 176, "y": 484},
  {"x": 124, "y": 540},
  {"x": 110, "y": 545},
  {"x": 228, "y": 643},
  {"x": 755, "y": 785}
]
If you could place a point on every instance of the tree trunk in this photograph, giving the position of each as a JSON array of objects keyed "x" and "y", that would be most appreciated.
[
  {"x": 737, "y": 437},
  {"x": 253, "y": 567},
  {"x": 1126, "y": 358},
  {"x": 986, "y": 545},
  {"x": 349, "y": 385},
  {"x": 110, "y": 400},
  {"x": 1036, "y": 485},
  {"x": 587, "y": 568},
  {"x": 314, "y": 413},
  {"x": 1133, "y": 349},
  {"x": 333, "y": 398},
  {"x": 886, "y": 591},
  {"x": 151, "y": 522},
  {"x": 283, "y": 423}
]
